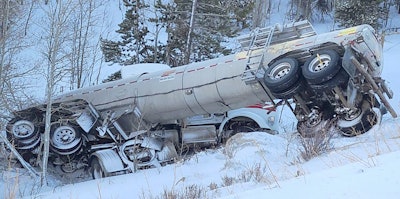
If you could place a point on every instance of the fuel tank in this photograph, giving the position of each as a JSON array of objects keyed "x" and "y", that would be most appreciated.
[{"x": 205, "y": 87}]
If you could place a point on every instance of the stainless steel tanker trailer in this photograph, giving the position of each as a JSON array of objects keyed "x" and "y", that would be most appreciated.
[{"x": 135, "y": 122}]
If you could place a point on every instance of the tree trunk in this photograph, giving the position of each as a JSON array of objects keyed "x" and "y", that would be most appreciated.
[
  {"x": 398, "y": 6},
  {"x": 260, "y": 13},
  {"x": 46, "y": 136},
  {"x": 3, "y": 37},
  {"x": 190, "y": 32},
  {"x": 58, "y": 16}
]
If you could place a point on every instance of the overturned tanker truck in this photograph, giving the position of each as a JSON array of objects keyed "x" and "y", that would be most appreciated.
[{"x": 134, "y": 123}]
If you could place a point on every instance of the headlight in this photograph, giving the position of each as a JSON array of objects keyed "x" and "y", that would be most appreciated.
[{"x": 271, "y": 120}]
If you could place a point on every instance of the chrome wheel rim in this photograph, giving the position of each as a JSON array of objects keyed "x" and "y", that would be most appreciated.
[
  {"x": 65, "y": 140},
  {"x": 319, "y": 63},
  {"x": 353, "y": 115},
  {"x": 280, "y": 71},
  {"x": 23, "y": 129}
]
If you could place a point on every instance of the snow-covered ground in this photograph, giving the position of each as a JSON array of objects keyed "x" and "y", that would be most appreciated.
[{"x": 253, "y": 165}]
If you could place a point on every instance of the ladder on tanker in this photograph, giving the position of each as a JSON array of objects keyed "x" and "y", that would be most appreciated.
[{"x": 257, "y": 43}]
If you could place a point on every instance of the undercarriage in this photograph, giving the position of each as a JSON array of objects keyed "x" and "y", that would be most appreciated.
[{"x": 326, "y": 95}]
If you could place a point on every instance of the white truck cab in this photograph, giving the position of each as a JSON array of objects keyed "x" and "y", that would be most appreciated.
[{"x": 257, "y": 117}]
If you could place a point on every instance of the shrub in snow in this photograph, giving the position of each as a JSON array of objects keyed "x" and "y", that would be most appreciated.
[
  {"x": 192, "y": 192},
  {"x": 318, "y": 144}
]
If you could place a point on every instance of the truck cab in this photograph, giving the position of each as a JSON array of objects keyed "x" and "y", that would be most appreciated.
[{"x": 258, "y": 117}]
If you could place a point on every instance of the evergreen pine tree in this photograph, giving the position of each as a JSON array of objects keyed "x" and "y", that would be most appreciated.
[
  {"x": 355, "y": 12},
  {"x": 132, "y": 48},
  {"x": 115, "y": 76},
  {"x": 111, "y": 50},
  {"x": 214, "y": 22},
  {"x": 240, "y": 11},
  {"x": 310, "y": 9},
  {"x": 213, "y": 25}
]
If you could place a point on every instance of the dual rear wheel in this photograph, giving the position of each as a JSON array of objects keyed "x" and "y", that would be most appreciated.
[
  {"x": 283, "y": 78},
  {"x": 322, "y": 71},
  {"x": 23, "y": 133},
  {"x": 359, "y": 121},
  {"x": 350, "y": 124},
  {"x": 65, "y": 139}
]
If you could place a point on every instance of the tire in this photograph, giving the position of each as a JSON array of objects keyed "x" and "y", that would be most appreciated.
[
  {"x": 322, "y": 66},
  {"x": 307, "y": 129},
  {"x": 65, "y": 139},
  {"x": 358, "y": 125},
  {"x": 341, "y": 78},
  {"x": 29, "y": 144},
  {"x": 282, "y": 74},
  {"x": 23, "y": 133},
  {"x": 243, "y": 126},
  {"x": 238, "y": 125},
  {"x": 97, "y": 170},
  {"x": 290, "y": 92}
]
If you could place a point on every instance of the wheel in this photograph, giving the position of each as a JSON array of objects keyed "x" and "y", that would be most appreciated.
[
  {"x": 316, "y": 124},
  {"x": 239, "y": 125},
  {"x": 322, "y": 66},
  {"x": 65, "y": 139},
  {"x": 312, "y": 128},
  {"x": 97, "y": 170},
  {"x": 243, "y": 126},
  {"x": 23, "y": 129},
  {"x": 282, "y": 74},
  {"x": 341, "y": 78},
  {"x": 357, "y": 122},
  {"x": 69, "y": 167},
  {"x": 290, "y": 92},
  {"x": 28, "y": 144},
  {"x": 23, "y": 133}
]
